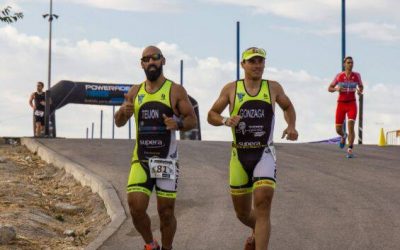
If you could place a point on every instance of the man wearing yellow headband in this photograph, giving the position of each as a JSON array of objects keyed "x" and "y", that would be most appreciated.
[{"x": 253, "y": 162}]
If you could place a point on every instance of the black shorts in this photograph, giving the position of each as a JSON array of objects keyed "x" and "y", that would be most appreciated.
[
  {"x": 39, "y": 119},
  {"x": 140, "y": 181}
]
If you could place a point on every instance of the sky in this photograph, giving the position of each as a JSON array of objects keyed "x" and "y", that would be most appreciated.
[{"x": 102, "y": 41}]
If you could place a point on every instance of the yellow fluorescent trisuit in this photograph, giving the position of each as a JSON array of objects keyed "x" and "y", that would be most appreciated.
[{"x": 252, "y": 164}]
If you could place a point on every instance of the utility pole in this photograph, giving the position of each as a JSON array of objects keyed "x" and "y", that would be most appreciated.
[
  {"x": 181, "y": 73},
  {"x": 343, "y": 44},
  {"x": 113, "y": 122},
  {"x": 50, "y": 16},
  {"x": 101, "y": 124},
  {"x": 130, "y": 129},
  {"x": 237, "y": 50},
  {"x": 343, "y": 33},
  {"x": 360, "y": 119}
]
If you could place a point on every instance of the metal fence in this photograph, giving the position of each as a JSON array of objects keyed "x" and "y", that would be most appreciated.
[{"x": 393, "y": 137}]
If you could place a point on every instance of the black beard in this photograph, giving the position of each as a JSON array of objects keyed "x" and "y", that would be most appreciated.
[{"x": 154, "y": 74}]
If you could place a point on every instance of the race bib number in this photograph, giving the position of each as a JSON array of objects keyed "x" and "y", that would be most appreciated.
[
  {"x": 39, "y": 113},
  {"x": 162, "y": 168}
]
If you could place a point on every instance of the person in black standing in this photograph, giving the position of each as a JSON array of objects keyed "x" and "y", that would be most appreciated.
[{"x": 37, "y": 102}]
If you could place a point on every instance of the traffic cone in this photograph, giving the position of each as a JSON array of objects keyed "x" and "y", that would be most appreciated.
[{"x": 382, "y": 140}]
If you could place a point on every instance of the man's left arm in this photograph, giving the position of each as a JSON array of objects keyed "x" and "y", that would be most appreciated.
[
  {"x": 360, "y": 89},
  {"x": 185, "y": 108},
  {"x": 288, "y": 111},
  {"x": 31, "y": 98},
  {"x": 187, "y": 118}
]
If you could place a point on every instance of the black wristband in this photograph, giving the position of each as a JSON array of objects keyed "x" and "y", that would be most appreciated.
[{"x": 179, "y": 122}]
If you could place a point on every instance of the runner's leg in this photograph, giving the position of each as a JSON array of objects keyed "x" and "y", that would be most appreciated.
[
  {"x": 41, "y": 129},
  {"x": 38, "y": 129},
  {"x": 138, "y": 203},
  {"x": 339, "y": 118},
  {"x": 350, "y": 124},
  {"x": 339, "y": 130},
  {"x": 244, "y": 212},
  {"x": 166, "y": 211},
  {"x": 352, "y": 116},
  {"x": 262, "y": 207}
]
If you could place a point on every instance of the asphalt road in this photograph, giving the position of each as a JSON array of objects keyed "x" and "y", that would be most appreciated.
[{"x": 322, "y": 200}]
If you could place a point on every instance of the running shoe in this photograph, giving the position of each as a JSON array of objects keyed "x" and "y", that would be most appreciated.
[
  {"x": 349, "y": 153},
  {"x": 152, "y": 246},
  {"x": 342, "y": 142},
  {"x": 250, "y": 243}
]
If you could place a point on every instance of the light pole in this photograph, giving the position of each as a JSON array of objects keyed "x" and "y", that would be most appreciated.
[
  {"x": 237, "y": 50},
  {"x": 50, "y": 16},
  {"x": 181, "y": 73},
  {"x": 113, "y": 120},
  {"x": 343, "y": 32},
  {"x": 343, "y": 44},
  {"x": 101, "y": 124}
]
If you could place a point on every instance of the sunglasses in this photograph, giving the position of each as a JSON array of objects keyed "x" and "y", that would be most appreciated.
[{"x": 155, "y": 57}]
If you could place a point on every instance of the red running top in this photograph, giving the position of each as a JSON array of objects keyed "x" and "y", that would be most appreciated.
[{"x": 348, "y": 84}]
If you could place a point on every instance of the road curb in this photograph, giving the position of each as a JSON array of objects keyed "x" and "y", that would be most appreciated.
[{"x": 87, "y": 178}]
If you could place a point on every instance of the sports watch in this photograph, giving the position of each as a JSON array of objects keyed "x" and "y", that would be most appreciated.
[
  {"x": 224, "y": 120},
  {"x": 180, "y": 124}
]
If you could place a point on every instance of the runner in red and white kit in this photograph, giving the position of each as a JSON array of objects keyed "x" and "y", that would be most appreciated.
[{"x": 347, "y": 83}]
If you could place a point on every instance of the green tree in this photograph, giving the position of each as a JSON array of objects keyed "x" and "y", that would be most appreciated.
[{"x": 7, "y": 16}]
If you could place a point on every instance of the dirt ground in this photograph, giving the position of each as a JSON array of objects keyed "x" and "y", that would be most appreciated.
[{"x": 47, "y": 208}]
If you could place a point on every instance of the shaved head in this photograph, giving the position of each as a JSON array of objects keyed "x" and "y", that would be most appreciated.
[
  {"x": 152, "y": 62},
  {"x": 149, "y": 50}
]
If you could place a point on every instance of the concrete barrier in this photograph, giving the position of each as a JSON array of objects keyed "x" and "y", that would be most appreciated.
[{"x": 86, "y": 177}]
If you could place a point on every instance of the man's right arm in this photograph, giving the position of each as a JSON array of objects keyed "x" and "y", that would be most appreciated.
[
  {"x": 31, "y": 100},
  {"x": 333, "y": 86},
  {"x": 120, "y": 117},
  {"x": 125, "y": 112},
  {"x": 214, "y": 115}
]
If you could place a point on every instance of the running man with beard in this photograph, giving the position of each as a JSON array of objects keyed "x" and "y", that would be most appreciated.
[
  {"x": 37, "y": 102},
  {"x": 253, "y": 162},
  {"x": 347, "y": 83},
  {"x": 156, "y": 104}
]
